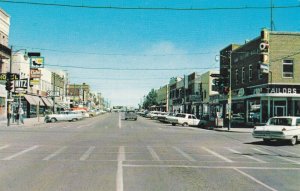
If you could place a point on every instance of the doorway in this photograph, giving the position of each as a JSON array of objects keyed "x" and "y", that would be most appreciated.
[{"x": 280, "y": 110}]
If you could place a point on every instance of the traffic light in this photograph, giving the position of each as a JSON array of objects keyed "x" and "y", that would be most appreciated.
[{"x": 9, "y": 85}]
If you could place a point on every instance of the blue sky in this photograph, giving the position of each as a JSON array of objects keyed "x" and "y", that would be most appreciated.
[{"x": 139, "y": 38}]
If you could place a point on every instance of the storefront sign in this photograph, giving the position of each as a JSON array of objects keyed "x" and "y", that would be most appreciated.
[
  {"x": 34, "y": 82},
  {"x": 37, "y": 62},
  {"x": 275, "y": 90},
  {"x": 35, "y": 73}
]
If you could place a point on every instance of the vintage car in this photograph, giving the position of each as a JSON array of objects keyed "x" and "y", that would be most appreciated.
[
  {"x": 279, "y": 128},
  {"x": 130, "y": 115},
  {"x": 185, "y": 119},
  {"x": 63, "y": 116}
]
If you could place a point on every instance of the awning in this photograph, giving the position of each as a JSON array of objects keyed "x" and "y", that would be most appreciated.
[
  {"x": 30, "y": 99},
  {"x": 47, "y": 102},
  {"x": 38, "y": 100}
]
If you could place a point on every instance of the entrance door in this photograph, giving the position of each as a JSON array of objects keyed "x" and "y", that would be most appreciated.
[{"x": 280, "y": 111}]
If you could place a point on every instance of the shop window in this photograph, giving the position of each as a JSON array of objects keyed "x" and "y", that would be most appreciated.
[
  {"x": 250, "y": 73},
  {"x": 243, "y": 75},
  {"x": 288, "y": 69}
]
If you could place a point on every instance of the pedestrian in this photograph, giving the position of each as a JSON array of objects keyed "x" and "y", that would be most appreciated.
[{"x": 21, "y": 112}]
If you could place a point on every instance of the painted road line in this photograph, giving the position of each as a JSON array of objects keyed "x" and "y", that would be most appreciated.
[
  {"x": 55, "y": 153},
  {"x": 262, "y": 152},
  {"x": 153, "y": 153},
  {"x": 217, "y": 155},
  {"x": 184, "y": 154},
  {"x": 254, "y": 179},
  {"x": 119, "y": 179},
  {"x": 289, "y": 152},
  {"x": 120, "y": 125},
  {"x": 247, "y": 156},
  {"x": 87, "y": 153},
  {"x": 4, "y": 147},
  {"x": 287, "y": 159},
  {"x": 209, "y": 167},
  {"x": 20, "y": 153}
]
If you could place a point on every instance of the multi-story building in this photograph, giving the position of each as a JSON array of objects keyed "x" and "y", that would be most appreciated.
[
  {"x": 78, "y": 94},
  {"x": 192, "y": 94},
  {"x": 176, "y": 97},
  {"x": 5, "y": 53},
  {"x": 162, "y": 98},
  {"x": 265, "y": 76}
]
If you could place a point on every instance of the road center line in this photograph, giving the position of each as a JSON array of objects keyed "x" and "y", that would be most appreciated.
[
  {"x": 87, "y": 153},
  {"x": 121, "y": 158},
  {"x": 20, "y": 153},
  {"x": 4, "y": 147},
  {"x": 184, "y": 154},
  {"x": 55, "y": 153},
  {"x": 247, "y": 156},
  {"x": 153, "y": 153},
  {"x": 217, "y": 155},
  {"x": 120, "y": 125},
  {"x": 254, "y": 179}
]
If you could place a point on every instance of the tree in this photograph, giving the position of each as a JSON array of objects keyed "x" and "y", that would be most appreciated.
[{"x": 150, "y": 99}]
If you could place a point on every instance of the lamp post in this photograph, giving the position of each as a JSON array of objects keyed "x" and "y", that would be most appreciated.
[{"x": 230, "y": 92}]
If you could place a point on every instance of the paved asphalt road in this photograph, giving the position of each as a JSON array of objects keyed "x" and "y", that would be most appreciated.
[{"x": 108, "y": 153}]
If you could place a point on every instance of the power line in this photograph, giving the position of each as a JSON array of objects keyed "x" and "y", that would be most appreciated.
[
  {"x": 112, "y": 54},
  {"x": 148, "y": 8},
  {"x": 128, "y": 69}
]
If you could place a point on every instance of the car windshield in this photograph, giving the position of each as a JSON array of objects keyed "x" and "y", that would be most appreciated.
[{"x": 280, "y": 121}]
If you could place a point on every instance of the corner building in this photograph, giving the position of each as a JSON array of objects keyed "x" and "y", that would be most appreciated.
[{"x": 265, "y": 76}]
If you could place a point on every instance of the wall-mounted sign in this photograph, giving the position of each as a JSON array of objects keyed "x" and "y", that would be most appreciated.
[
  {"x": 37, "y": 62},
  {"x": 282, "y": 90},
  {"x": 34, "y": 82},
  {"x": 22, "y": 83},
  {"x": 35, "y": 73}
]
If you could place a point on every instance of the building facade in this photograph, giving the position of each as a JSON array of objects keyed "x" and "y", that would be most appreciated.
[
  {"x": 162, "y": 98},
  {"x": 265, "y": 76}
]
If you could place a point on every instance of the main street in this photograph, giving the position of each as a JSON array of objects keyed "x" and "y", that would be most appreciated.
[{"x": 108, "y": 153}]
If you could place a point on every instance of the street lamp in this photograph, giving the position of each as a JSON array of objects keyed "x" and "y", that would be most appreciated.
[{"x": 230, "y": 92}]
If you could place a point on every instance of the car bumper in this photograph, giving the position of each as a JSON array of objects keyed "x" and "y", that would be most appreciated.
[{"x": 271, "y": 135}]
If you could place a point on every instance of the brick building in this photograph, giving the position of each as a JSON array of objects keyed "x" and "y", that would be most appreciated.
[{"x": 265, "y": 76}]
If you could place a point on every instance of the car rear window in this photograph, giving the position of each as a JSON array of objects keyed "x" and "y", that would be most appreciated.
[{"x": 281, "y": 121}]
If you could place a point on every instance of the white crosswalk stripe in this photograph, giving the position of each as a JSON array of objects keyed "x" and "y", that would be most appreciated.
[
  {"x": 153, "y": 153},
  {"x": 184, "y": 154},
  {"x": 4, "y": 147},
  {"x": 247, "y": 156},
  {"x": 21, "y": 153},
  {"x": 217, "y": 154},
  {"x": 55, "y": 153},
  {"x": 87, "y": 153}
]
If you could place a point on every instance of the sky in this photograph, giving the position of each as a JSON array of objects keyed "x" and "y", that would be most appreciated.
[{"x": 111, "y": 40}]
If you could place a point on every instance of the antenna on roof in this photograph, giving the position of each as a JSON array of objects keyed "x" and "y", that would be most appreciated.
[{"x": 272, "y": 21}]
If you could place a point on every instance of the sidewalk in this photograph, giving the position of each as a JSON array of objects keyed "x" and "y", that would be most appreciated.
[
  {"x": 28, "y": 122},
  {"x": 235, "y": 130}
]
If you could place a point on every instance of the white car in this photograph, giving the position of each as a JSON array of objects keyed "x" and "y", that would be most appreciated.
[
  {"x": 279, "y": 128},
  {"x": 185, "y": 119},
  {"x": 63, "y": 116}
]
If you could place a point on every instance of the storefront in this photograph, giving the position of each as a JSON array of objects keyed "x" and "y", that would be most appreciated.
[
  {"x": 33, "y": 106},
  {"x": 3, "y": 95},
  {"x": 260, "y": 103}
]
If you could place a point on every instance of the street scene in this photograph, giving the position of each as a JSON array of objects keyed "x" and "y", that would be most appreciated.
[
  {"x": 146, "y": 95},
  {"x": 110, "y": 153}
]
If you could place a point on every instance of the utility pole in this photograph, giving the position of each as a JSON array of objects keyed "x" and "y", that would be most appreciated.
[
  {"x": 9, "y": 92},
  {"x": 53, "y": 96},
  {"x": 230, "y": 92}
]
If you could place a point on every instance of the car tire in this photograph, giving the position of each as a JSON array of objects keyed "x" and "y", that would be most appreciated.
[
  {"x": 293, "y": 141},
  {"x": 53, "y": 120},
  {"x": 185, "y": 124},
  {"x": 135, "y": 119},
  {"x": 173, "y": 124},
  {"x": 75, "y": 119},
  {"x": 125, "y": 119}
]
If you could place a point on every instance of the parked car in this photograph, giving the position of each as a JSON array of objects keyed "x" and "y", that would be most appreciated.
[
  {"x": 83, "y": 113},
  {"x": 279, "y": 128},
  {"x": 164, "y": 118},
  {"x": 185, "y": 119},
  {"x": 92, "y": 113},
  {"x": 130, "y": 115},
  {"x": 63, "y": 116},
  {"x": 154, "y": 114}
]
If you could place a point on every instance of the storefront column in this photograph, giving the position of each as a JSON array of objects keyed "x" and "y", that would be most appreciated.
[
  {"x": 247, "y": 111},
  {"x": 260, "y": 111},
  {"x": 269, "y": 107}
]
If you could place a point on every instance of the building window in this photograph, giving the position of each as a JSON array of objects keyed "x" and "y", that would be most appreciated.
[
  {"x": 250, "y": 73},
  {"x": 288, "y": 69},
  {"x": 243, "y": 75},
  {"x": 236, "y": 76}
]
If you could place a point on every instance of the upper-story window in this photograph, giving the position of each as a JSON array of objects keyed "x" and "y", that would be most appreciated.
[
  {"x": 236, "y": 76},
  {"x": 250, "y": 73},
  {"x": 287, "y": 68},
  {"x": 243, "y": 75}
]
